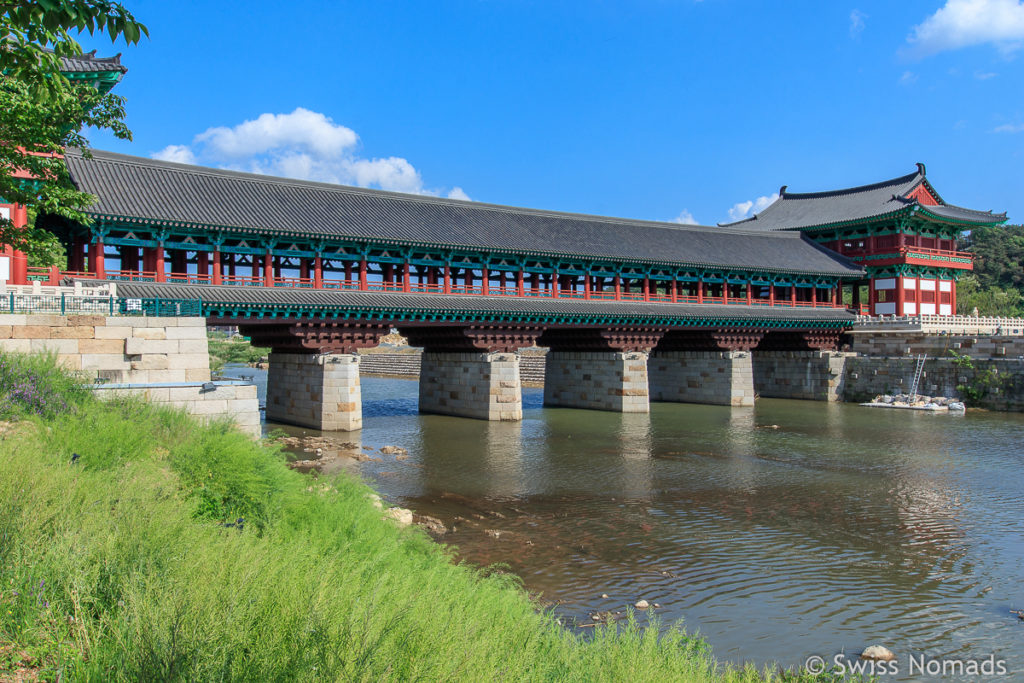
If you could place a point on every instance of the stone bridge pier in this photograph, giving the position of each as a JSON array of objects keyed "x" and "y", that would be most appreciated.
[
  {"x": 802, "y": 365},
  {"x": 598, "y": 369},
  {"x": 705, "y": 366},
  {"x": 313, "y": 379},
  {"x": 472, "y": 371}
]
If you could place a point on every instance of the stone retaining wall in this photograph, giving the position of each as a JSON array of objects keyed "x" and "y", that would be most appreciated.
[
  {"x": 120, "y": 349},
  {"x": 1000, "y": 383},
  {"x": 810, "y": 375},
  {"x": 234, "y": 402},
  {"x": 531, "y": 368},
  {"x": 710, "y": 377},
  {"x": 895, "y": 344}
]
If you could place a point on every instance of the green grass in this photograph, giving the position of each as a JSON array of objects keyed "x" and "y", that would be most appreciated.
[
  {"x": 232, "y": 350},
  {"x": 121, "y": 567}
]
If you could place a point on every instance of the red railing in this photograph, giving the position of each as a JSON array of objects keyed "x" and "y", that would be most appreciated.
[
  {"x": 132, "y": 275},
  {"x": 53, "y": 276},
  {"x": 189, "y": 278},
  {"x": 944, "y": 253}
]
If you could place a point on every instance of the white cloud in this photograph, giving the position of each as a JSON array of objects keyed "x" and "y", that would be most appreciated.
[
  {"x": 304, "y": 144},
  {"x": 685, "y": 218},
  {"x": 742, "y": 210},
  {"x": 1009, "y": 128},
  {"x": 908, "y": 77},
  {"x": 177, "y": 153},
  {"x": 857, "y": 23},
  {"x": 961, "y": 23},
  {"x": 984, "y": 75}
]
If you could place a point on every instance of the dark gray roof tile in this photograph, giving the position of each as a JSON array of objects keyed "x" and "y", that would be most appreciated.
[
  {"x": 137, "y": 188},
  {"x": 794, "y": 211}
]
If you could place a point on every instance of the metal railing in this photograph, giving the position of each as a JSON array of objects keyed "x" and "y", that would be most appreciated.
[{"x": 70, "y": 304}]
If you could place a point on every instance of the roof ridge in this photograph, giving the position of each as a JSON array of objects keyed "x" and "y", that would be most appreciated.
[
  {"x": 854, "y": 190},
  {"x": 118, "y": 157}
]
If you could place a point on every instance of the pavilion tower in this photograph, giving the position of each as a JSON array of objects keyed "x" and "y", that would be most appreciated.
[
  {"x": 900, "y": 231},
  {"x": 102, "y": 73}
]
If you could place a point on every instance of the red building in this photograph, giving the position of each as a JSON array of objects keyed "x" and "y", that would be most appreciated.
[
  {"x": 102, "y": 73},
  {"x": 901, "y": 231}
]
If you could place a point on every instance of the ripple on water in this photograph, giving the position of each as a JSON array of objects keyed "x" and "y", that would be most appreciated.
[{"x": 839, "y": 528}]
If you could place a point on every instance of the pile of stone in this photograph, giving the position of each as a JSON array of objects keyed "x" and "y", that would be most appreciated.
[{"x": 919, "y": 401}]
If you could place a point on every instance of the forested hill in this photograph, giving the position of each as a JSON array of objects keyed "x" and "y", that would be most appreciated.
[{"x": 997, "y": 285}]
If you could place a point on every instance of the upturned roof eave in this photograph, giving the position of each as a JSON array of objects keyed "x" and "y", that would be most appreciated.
[{"x": 847, "y": 273}]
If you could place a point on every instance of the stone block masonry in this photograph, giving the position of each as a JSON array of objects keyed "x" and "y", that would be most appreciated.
[
  {"x": 810, "y": 375},
  {"x": 484, "y": 386},
  {"x": 598, "y": 380},
  {"x": 712, "y": 377},
  {"x": 995, "y": 384},
  {"x": 119, "y": 349},
  {"x": 317, "y": 391},
  {"x": 234, "y": 402}
]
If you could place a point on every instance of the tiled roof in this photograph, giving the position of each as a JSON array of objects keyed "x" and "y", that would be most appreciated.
[
  {"x": 89, "y": 62},
  {"x": 355, "y": 300},
  {"x": 164, "y": 192},
  {"x": 793, "y": 211}
]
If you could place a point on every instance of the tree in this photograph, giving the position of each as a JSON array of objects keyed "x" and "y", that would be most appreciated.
[
  {"x": 42, "y": 112},
  {"x": 998, "y": 256}
]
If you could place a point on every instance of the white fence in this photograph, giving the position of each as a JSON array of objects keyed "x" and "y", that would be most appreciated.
[{"x": 940, "y": 324}]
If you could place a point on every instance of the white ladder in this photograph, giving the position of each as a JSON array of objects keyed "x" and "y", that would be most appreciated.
[{"x": 918, "y": 370}]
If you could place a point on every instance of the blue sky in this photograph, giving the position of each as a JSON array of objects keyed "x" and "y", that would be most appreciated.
[{"x": 654, "y": 109}]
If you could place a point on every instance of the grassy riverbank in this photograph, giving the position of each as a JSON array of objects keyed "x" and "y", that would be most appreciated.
[
  {"x": 225, "y": 349},
  {"x": 169, "y": 550}
]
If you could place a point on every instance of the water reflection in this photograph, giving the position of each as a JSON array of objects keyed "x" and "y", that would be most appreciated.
[{"x": 788, "y": 529}]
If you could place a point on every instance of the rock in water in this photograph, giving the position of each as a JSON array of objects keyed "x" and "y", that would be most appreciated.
[
  {"x": 642, "y": 604},
  {"x": 878, "y": 654},
  {"x": 400, "y": 515},
  {"x": 957, "y": 407}
]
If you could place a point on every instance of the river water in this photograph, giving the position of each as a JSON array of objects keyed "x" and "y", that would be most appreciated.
[{"x": 791, "y": 529}]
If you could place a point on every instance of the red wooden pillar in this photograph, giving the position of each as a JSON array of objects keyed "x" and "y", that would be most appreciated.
[
  {"x": 318, "y": 271},
  {"x": 674, "y": 291},
  {"x": 159, "y": 265},
  {"x": 647, "y": 288},
  {"x": 586, "y": 286},
  {"x": 303, "y": 268},
  {"x": 837, "y": 295},
  {"x": 952, "y": 298},
  {"x": 771, "y": 293},
  {"x": 792, "y": 295},
  {"x": 96, "y": 260},
  {"x": 447, "y": 279},
  {"x": 485, "y": 288},
  {"x": 406, "y": 282},
  {"x": 520, "y": 285},
  {"x": 750, "y": 293},
  {"x": 363, "y": 284},
  {"x": 871, "y": 295},
  {"x": 618, "y": 287},
  {"x": 700, "y": 291},
  {"x": 725, "y": 291},
  {"x": 554, "y": 284},
  {"x": 268, "y": 269},
  {"x": 814, "y": 295},
  {"x": 217, "y": 277}
]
